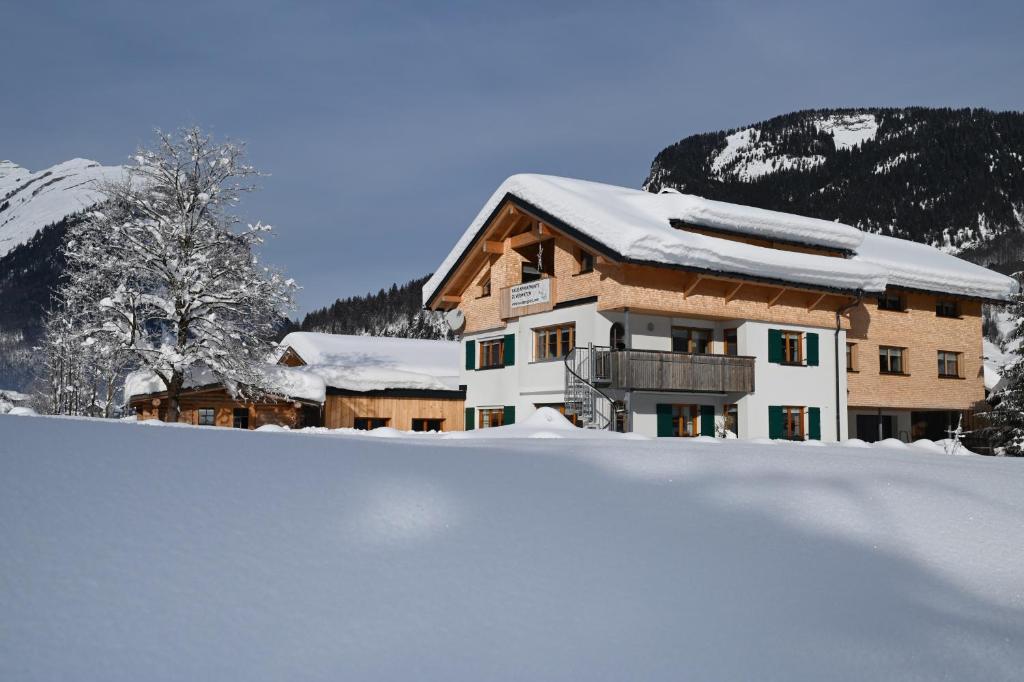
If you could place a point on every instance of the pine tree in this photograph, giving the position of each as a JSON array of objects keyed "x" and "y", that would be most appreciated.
[{"x": 1005, "y": 422}]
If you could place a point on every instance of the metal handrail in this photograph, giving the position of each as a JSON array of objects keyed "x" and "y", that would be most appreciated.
[{"x": 569, "y": 361}]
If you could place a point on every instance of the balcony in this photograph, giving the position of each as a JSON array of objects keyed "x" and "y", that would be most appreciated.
[{"x": 651, "y": 370}]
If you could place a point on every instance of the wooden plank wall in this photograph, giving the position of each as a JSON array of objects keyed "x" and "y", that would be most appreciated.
[
  {"x": 280, "y": 413},
  {"x": 340, "y": 411}
]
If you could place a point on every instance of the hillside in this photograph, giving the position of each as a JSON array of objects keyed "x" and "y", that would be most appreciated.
[
  {"x": 950, "y": 178},
  {"x": 395, "y": 311},
  {"x": 29, "y": 201},
  {"x": 196, "y": 553},
  {"x": 35, "y": 211}
]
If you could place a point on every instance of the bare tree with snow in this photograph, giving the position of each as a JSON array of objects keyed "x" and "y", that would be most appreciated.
[{"x": 164, "y": 273}]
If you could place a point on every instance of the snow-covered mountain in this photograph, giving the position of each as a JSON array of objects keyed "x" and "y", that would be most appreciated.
[
  {"x": 29, "y": 201},
  {"x": 950, "y": 178},
  {"x": 35, "y": 210}
]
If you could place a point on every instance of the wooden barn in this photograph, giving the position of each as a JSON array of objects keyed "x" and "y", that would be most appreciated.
[
  {"x": 371, "y": 381},
  {"x": 329, "y": 380}
]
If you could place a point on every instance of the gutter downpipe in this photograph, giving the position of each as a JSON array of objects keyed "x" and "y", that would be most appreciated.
[
  {"x": 839, "y": 311},
  {"x": 627, "y": 334}
]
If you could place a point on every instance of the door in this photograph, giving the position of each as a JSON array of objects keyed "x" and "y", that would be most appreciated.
[{"x": 867, "y": 427}]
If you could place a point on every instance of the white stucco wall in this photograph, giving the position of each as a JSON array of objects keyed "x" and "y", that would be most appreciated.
[
  {"x": 530, "y": 382},
  {"x": 777, "y": 384}
]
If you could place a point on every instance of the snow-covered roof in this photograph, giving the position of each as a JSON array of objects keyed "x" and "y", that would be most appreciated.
[
  {"x": 636, "y": 226},
  {"x": 375, "y": 363},
  {"x": 288, "y": 382},
  {"x": 919, "y": 266}
]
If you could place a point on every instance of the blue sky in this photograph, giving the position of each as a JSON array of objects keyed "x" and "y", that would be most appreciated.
[{"x": 385, "y": 126}]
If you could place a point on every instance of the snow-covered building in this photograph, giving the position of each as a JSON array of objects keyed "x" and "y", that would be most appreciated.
[
  {"x": 330, "y": 380},
  {"x": 673, "y": 315}
]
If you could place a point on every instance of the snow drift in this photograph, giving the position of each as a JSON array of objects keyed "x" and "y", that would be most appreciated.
[{"x": 174, "y": 553}]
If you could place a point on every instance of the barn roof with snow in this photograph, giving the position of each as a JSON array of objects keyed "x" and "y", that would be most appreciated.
[
  {"x": 374, "y": 363},
  {"x": 309, "y": 365},
  {"x": 635, "y": 226}
]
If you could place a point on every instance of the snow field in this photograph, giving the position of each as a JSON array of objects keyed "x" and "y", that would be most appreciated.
[{"x": 189, "y": 553}]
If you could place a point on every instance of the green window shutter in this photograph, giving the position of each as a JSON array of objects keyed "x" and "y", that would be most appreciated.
[
  {"x": 470, "y": 418},
  {"x": 776, "y": 428},
  {"x": 665, "y": 429},
  {"x": 470, "y": 355},
  {"x": 510, "y": 414},
  {"x": 510, "y": 350},
  {"x": 707, "y": 420},
  {"x": 775, "y": 345},
  {"x": 814, "y": 423},
  {"x": 812, "y": 349}
]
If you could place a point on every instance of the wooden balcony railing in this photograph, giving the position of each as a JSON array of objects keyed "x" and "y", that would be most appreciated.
[{"x": 651, "y": 370}]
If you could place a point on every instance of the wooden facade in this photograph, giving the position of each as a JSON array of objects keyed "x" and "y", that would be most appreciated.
[
  {"x": 281, "y": 412},
  {"x": 618, "y": 286},
  {"x": 399, "y": 408},
  {"x": 669, "y": 291}
]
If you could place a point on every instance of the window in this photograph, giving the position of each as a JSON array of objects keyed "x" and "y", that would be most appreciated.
[
  {"x": 691, "y": 340},
  {"x": 792, "y": 348},
  {"x": 617, "y": 337},
  {"x": 427, "y": 424},
  {"x": 851, "y": 357},
  {"x": 369, "y": 423},
  {"x": 240, "y": 418},
  {"x": 890, "y": 360},
  {"x": 946, "y": 309},
  {"x": 485, "y": 287},
  {"x": 586, "y": 262},
  {"x": 551, "y": 343},
  {"x": 732, "y": 346},
  {"x": 684, "y": 420},
  {"x": 949, "y": 364},
  {"x": 206, "y": 416},
  {"x": 491, "y": 416},
  {"x": 538, "y": 260},
  {"x": 793, "y": 422},
  {"x": 492, "y": 353},
  {"x": 574, "y": 419},
  {"x": 732, "y": 419},
  {"x": 890, "y": 302}
]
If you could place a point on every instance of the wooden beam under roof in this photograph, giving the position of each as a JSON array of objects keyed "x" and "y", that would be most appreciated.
[
  {"x": 693, "y": 285},
  {"x": 732, "y": 294},
  {"x": 494, "y": 247},
  {"x": 448, "y": 298},
  {"x": 815, "y": 302},
  {"x": 775, "y": 299}
]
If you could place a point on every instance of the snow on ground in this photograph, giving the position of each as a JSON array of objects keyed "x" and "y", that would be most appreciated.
[
  {"x": 180, "y": 553},
  {"x": 31, "y": 201}
]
